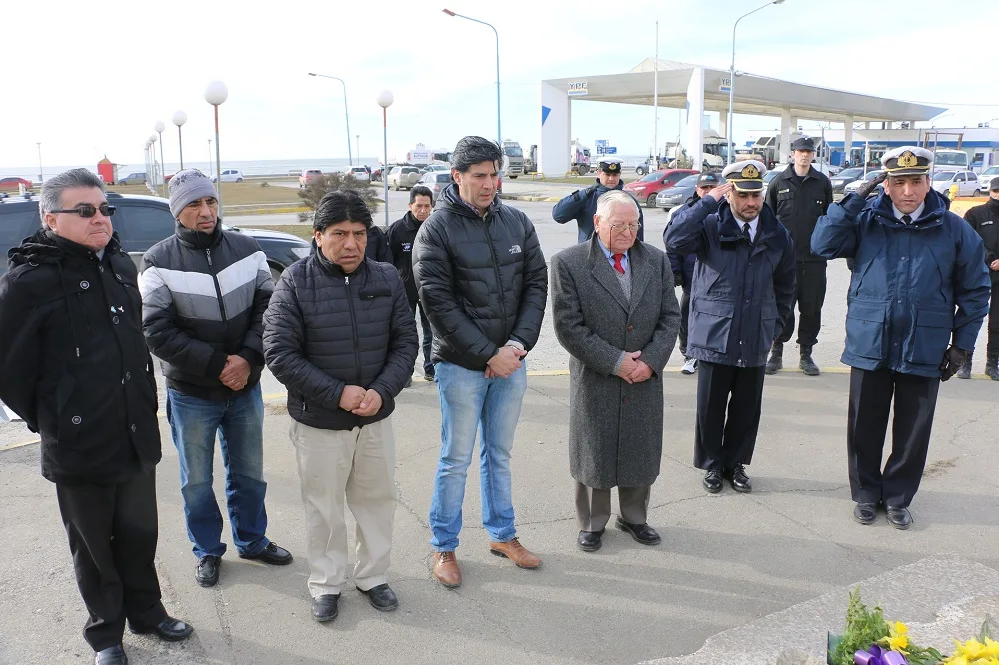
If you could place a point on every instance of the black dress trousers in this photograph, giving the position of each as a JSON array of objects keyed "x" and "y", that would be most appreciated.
[
  {"x": 721, "y": 442},
  {"x": 992, "y": 350},
  {"x": 871, "y": 395},
  {"x": 112, "y": 533},
  {"x": 809, "y": 295}
]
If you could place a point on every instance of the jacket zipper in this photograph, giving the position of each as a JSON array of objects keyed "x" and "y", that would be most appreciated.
[
  {"x": 499, "y": 277},
  {"x": 218, "y": 292},
  {"x": 353, "y": 325}
]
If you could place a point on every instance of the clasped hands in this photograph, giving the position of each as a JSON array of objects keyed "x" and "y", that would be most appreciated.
[
  {"x": 633, "y": 370},
  {"x": 504, "y": 363},
  {"x": 359, "y": 401},
  {"x": 235, "y": 373}
]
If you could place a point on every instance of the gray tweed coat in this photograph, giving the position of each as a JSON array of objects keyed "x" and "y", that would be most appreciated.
[{"x": 615, "y": 428}]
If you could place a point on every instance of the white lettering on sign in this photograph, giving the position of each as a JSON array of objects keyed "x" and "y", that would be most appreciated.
[{"x": 577, "y": 88}]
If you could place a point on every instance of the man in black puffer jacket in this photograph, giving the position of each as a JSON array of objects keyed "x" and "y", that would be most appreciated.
[
  {"x": 74, "y": 366},
  {"x": 483, "y": 282},
  {"x": 204, "y": 292},
  {"x": 340, "y": 335}
]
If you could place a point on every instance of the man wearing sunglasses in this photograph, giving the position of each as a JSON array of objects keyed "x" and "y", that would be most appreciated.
[
  {"x": 74, "y": 366},
  {"x": 204, "y": 292}
]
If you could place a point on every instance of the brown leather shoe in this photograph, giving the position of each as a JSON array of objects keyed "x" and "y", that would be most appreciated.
[
  {"x": 513, "y": 550},
  {"x": 446, "y": 569}
]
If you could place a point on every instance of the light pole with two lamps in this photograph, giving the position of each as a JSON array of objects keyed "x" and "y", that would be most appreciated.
[
  {"x": 152, "y": 149},
  {"x": 385, "y": 99},
  {"x": 350, "y": 156},
  {"x": 179, "y": 118},
  {"x": 499, "y": 132},
  {"x": 731, "y": 79},
  {"x": 215, "y": 94}
]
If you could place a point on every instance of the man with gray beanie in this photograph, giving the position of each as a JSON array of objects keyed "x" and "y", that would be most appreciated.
[{"x": 204, "y": 292}]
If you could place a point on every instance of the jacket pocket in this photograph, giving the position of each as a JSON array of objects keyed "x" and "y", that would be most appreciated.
[
  {"x": 710, "y": 324},
  {"x": 69, "y": 421},
  {"x": 768, "y": 326},
  {"x": 785, "y": 205},
  {"x": 865, "y": 322},
  {"x": 930, "y": 336}
]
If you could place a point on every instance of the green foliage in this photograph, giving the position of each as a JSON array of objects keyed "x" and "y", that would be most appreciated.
[
  {"x": 988, "y": 630},
  {"x": 332, "y": 182},
  {"x": 863, "y": 628}
]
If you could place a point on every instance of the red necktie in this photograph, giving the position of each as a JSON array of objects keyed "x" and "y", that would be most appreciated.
[{"x": 617, "y": 263}]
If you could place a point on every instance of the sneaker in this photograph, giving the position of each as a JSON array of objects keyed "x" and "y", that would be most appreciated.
[{"x": 689, "y": 366}]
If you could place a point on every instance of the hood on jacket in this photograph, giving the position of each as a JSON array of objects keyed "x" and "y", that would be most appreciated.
[
  {"x": 44, "y": 246},
  {"x": 451, "y": 200}
]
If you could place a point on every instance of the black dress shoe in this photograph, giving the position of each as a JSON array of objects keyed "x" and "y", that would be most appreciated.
[
  {"x": 899, "y": 517},
  {"x": 738, "y": 479},
  {"x": 113, "y": 656},
  {"x": 324, "y": 608},
  {"x": 207, "y": 573},
  {"x": 170, "y": 630},
  {"x": 590, "y": 541},
  {"x": 272, "y": 554},
  {"x": 642, "y": 533},
  {"x": 713, "y": 481},
  {"x": 865, "y": 513},
  {"x": 428, "y": 376},
  {"x": 382, "y": 597}
]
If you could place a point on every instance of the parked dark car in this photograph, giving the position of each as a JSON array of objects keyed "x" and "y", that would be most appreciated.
[
  {"x": 141, "y": 222},
  {"x": 133, "y": 179},
  {"x": 845, "y": 177},
  {"x": 678, "y": 194}
]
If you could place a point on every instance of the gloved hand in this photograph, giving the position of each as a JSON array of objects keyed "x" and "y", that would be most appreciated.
[
  {"x": 952, "y": 362},
  {"x": 866, "y": 190},
  {"x": 678, "y": 279}
]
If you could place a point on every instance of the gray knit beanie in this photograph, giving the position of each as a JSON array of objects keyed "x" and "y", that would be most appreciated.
[{"x": 187, "y": 186}]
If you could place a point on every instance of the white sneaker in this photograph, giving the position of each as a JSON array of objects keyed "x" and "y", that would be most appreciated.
[{"x": 689, "y": 366}]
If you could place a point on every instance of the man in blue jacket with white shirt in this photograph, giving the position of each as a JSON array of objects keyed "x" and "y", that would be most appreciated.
[{"x": 919, "y": 283}]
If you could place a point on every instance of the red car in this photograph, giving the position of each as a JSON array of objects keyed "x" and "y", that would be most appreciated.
[
  {"x": 650, "y": 185},
  {"x": 11, "y": 184}
]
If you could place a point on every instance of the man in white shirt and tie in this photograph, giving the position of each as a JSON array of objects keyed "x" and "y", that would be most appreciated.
[{"x": 741, "y": 295}]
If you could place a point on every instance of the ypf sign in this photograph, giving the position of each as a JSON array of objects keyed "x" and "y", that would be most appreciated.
[{"x": 577, "y": 88}]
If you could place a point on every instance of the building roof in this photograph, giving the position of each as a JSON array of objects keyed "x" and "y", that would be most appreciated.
[{"x": 754, "y": 95}]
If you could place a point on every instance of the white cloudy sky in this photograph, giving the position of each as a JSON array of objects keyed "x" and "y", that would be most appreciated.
[{"x": 92, "y": 78}]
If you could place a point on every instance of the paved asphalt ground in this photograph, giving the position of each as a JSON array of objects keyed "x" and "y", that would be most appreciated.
[{"x": 737, "y": 571}]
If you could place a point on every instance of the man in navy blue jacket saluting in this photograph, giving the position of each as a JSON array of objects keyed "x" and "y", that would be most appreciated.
[
  {"x": 581, "y": 205},
  {"x": 740, "y": 296},
  {"x": 919, "y": 282}
]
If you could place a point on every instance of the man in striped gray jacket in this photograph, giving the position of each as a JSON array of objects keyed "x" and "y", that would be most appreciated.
[{"x": 204, "y": 292}]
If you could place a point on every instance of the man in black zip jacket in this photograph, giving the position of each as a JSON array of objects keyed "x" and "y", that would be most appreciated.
[
  {"x": 401, "y": 236},
  {"x": 74, "y": 366},
  {"x": 800, "y": 195},
  {"x": 339, "y": 334},
  {"x": 204, "y": 292},
  {"x": 985, "y": 220},
  {"x": 483, "y": 281}
]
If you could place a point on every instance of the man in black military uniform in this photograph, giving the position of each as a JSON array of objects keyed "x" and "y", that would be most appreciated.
[
  {"x": 985, "y": 220},
  {"x": 581, "y": 205},
  {"x": 799, "y": 196}
]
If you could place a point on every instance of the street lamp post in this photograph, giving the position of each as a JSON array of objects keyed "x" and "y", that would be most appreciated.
[
  {"x": 215, "y": 94},
  {"x": 41, "y": 172},
  {"x": 731, "y": 79},
  {"x": 179, "y": 118},
  {"x": 152, "y": 149},
  {"x": 357, "y": 145},
  {"x": 499, "y": 132},
  {"x": 209, "y": 158},
  {"x": 350, "y": 156},
  {"x": 159, "y": 127},
  {"x": 385, "y": 99}
]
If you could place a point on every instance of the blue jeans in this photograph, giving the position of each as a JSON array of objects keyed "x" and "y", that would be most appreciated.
[
  {"x": 470, "y": 402},
  {"x": 239, "y": 422}
]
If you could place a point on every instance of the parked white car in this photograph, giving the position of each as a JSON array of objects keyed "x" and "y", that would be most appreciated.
[
  {"x": 967, "y": 182},
  {"x": 359, "y": 172},
  {"x": 403, "y": 177},
  {"x": 230, "y": 175},
  {"x": 986, "y": 176},
  {"x": 852, "y": 187}
]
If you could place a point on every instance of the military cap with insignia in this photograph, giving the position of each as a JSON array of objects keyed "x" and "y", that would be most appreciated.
[
  {"x": 746, "y": 176},
  {"x": 803, "y": 143},
  {"x": 907, "y": 160},
  {"x": 610, "y": 165},
  {"x": 708, "y": 180}
]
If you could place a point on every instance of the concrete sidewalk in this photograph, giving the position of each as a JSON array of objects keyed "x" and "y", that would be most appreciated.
[{"x": 726, "y": 561}]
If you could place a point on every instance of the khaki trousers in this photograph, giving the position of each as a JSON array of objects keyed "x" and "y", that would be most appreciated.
[
  {"x": 593, "y": 506},
  {"x": 358, "y": 465}
]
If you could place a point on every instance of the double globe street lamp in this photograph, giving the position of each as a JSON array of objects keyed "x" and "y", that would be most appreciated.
[{"x": 158, "y": 128}]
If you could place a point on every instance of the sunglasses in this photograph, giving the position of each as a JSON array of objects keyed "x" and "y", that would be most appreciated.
[{"x": 87, "y": 211}]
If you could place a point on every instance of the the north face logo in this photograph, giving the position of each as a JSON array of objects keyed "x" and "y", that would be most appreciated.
[{"x": 515, "y": 249}]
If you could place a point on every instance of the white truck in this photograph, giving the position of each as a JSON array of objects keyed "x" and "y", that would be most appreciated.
[
  {"x": 420, "y": 155},
  {"x": 513, "y": 159},
  {"x": 579, "y": 158}
]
